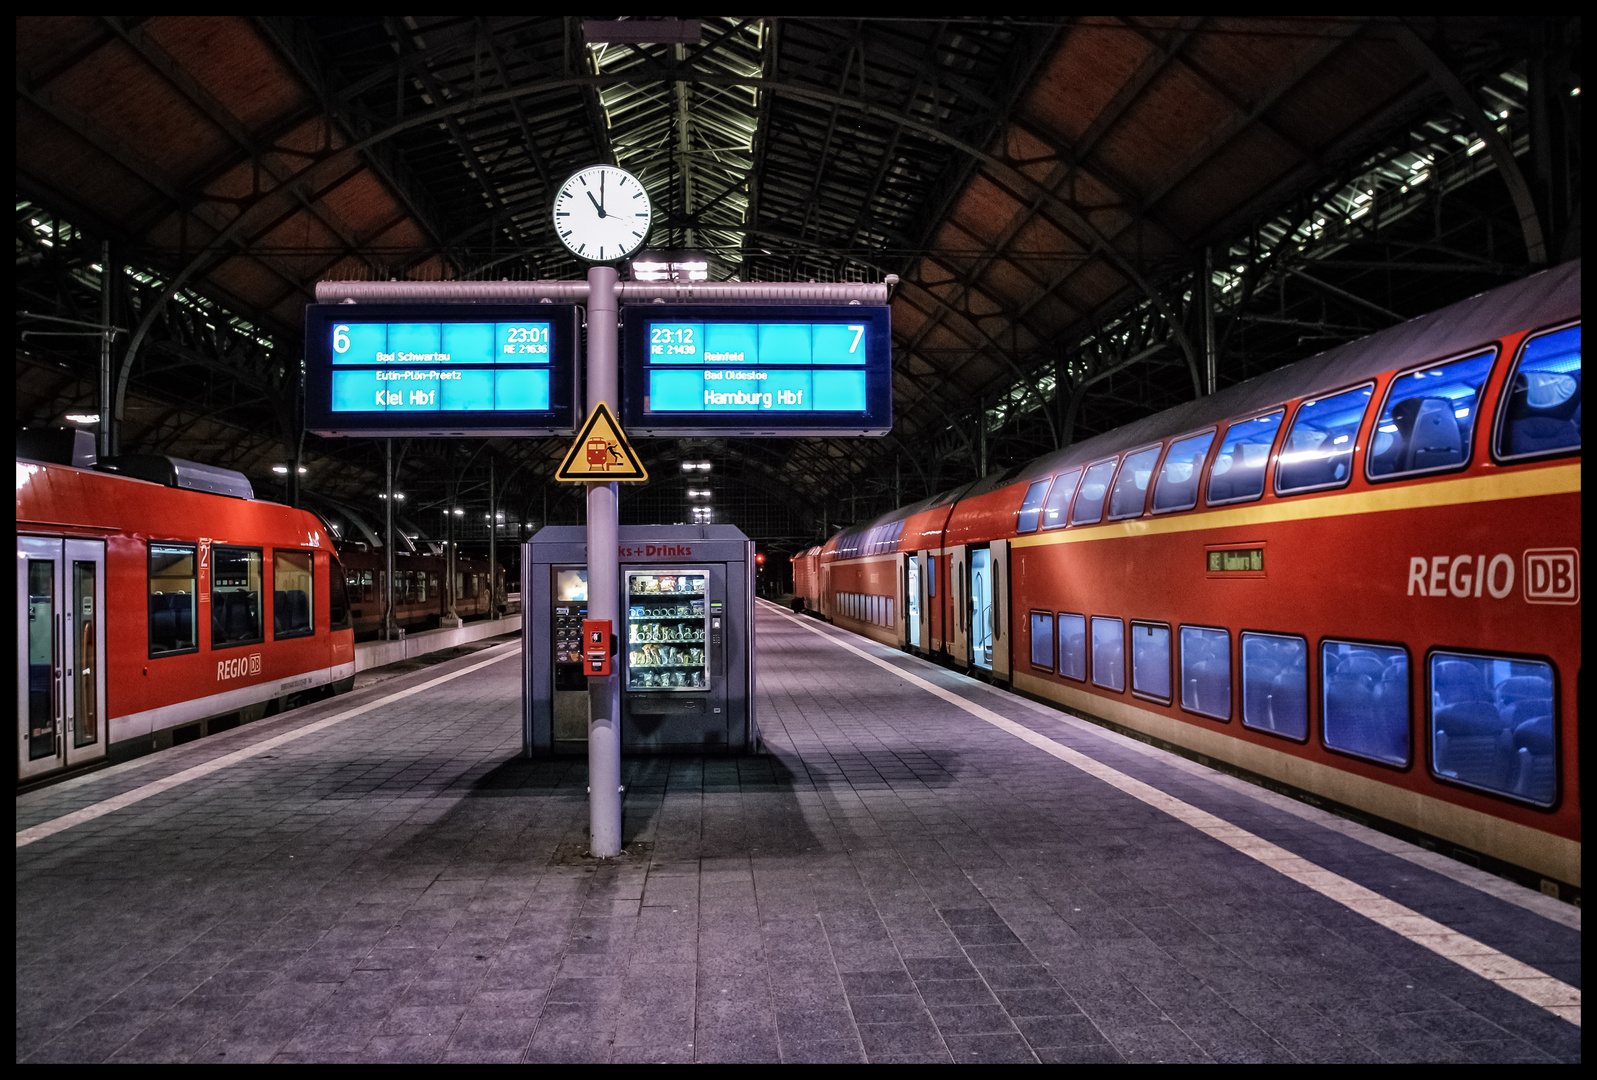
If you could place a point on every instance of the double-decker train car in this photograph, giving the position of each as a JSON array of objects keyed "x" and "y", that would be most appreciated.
[
  {"x": 1357, "y": 576},
  {"x": 154, "y": 611},
  {"x": 420, "y": 599}
]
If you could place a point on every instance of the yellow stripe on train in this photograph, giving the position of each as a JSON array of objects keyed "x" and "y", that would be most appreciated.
[{"x": 1498, "y": 486}]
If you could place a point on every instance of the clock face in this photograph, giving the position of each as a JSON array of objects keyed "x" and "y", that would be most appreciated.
[{"x": 602, "y": 213}]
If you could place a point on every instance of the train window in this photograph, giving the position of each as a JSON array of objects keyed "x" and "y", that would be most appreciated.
[
  {"x": 172, "y": 599},
  {"x": 1206, "y": 672},
  {"x": 1238, "y": 471},
  {"x": 1150, "y": 660},
  {"x": 1426, "y": 423},
  {"x": 1318, "y": 451},
  {"x": 1177, "y": 487},
  {"x": 235, "y": 596},
  {"x": 1094, "y": 486},
  {"x": 293, "y": 599},
  {"x": 1365, "y": 701},
  {"x": 1131, "y": 487},
  {"x": 368, "y": 588},
  {"x": 1073, "y": 646},
  {"x": 1031, "y": 506},
  {"x": 1053, "y": 511},
  {"x": 1491, "y": 725},
  {"x": 931, "y": 575},
  {"x": 1541, "y": 410},
  {"x": 432, "y": 587},
  {"x": 1108, "y": 653},
  {"x": 1042, "y": 639},
  {"x": 1275, "y": 684}
]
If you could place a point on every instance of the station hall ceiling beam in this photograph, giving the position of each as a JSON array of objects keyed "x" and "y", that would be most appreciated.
[{"x": 1486, "y": 129}]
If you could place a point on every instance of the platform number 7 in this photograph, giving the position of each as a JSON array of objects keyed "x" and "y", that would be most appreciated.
[{"x": 859, "y": 332}]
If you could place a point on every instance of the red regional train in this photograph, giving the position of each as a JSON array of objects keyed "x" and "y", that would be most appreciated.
[
  {"x": 155, "y": 611},
  {"x": 1356, "y": 577},
  {"x": 419, "y": 599}
]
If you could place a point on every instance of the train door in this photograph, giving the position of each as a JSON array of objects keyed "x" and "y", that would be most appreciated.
[
  {"x": 925, "y": 596},
  {"x": 826, "y": 592},
  {"x": 959, "y": 604},
  {"x": 910, "y": 590},
  {"x": 1000, "y": 608},
  {"x": 61, "y": 661},
  {"x": 981, "y": 608}
]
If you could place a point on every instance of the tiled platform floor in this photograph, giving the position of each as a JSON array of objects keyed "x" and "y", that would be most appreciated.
[{"x": 894, "y": 881}]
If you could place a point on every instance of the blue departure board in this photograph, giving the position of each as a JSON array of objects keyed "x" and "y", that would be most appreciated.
[
  {"x": 440, "y": 369},
  {"x": 757, "y": 370}
]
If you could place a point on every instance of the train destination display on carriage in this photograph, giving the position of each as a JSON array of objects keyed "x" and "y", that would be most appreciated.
[
  {"x": 743, "y": 370},
  {"x": 432, "y": 369}
]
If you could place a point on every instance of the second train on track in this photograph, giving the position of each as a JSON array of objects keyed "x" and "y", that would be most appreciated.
[{"x": 1357, "y": 576}]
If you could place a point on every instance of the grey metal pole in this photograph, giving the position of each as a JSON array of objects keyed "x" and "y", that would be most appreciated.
[
  {"x": 388, "y": 541},
  {"x": 1211, "y": 362},
  {"x": 104, "y": 449},
  {"x": 604, "y": 581},
  {"x": 493, "y": 546},
  {"x": 449, "y": 552}
]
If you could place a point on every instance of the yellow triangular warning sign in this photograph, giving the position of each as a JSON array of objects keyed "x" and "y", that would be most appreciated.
[{"x": 601, "y": 452}]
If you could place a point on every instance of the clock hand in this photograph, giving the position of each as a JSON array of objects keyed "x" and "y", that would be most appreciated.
[{"x": 596, "y": 204}]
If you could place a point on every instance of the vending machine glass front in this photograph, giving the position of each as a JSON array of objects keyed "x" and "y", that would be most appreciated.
[{"x": 667, "y": 648}]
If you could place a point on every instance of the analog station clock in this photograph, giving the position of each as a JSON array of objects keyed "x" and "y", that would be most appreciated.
[{"x": 602, "y": 213}]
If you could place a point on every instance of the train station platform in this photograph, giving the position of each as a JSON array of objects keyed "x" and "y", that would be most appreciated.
[
  {"x": 376, "y": 654},
  {"x": 919, "y": 868}
]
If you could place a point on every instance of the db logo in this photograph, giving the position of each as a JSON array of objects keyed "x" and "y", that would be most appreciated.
[{"x": 1552, "y": 576}]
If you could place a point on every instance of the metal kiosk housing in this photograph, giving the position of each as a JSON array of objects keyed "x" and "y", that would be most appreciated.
[{"x": 672, "y": 701}]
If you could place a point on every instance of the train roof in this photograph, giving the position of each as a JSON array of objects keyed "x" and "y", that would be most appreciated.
[{"x": 1542, "y": 299}]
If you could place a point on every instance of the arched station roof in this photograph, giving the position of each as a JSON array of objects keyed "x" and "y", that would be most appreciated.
[{"x": 1091, "y": 217}]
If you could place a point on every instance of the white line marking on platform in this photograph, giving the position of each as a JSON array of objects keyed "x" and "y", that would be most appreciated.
[
  {"x": 1554, "y": 995},
  {"x": 155, "y": 787}
]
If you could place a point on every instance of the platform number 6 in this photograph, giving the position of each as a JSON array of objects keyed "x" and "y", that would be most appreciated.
[{"x": 341, "y": 339}]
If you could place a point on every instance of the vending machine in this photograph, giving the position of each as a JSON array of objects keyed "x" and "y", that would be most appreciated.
[{"x": 686, "y": 640}]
